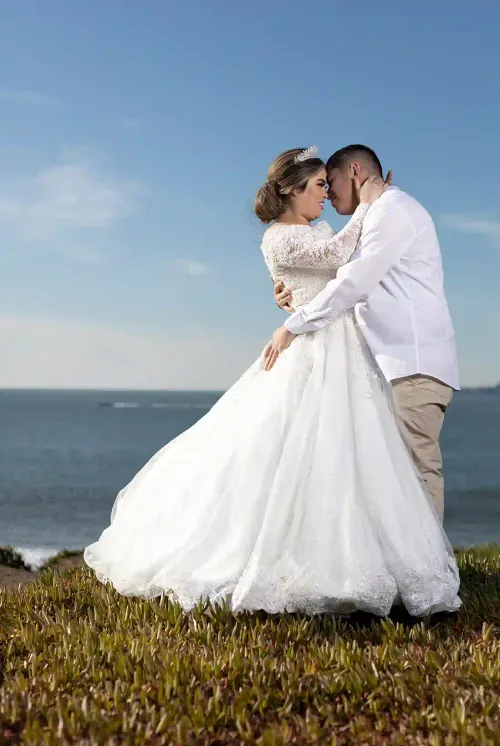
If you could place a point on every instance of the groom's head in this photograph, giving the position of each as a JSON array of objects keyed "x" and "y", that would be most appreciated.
[{"x": 342, "y": 167}]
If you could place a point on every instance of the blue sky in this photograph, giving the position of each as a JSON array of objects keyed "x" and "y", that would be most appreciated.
[{"x": 133, "y": 137}]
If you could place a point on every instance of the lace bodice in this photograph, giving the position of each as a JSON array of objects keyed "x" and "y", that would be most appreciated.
[{"x": 306, "y": 257}]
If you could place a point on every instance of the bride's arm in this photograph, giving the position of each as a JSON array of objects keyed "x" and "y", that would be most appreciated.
[{"x": 299, "y": 246}]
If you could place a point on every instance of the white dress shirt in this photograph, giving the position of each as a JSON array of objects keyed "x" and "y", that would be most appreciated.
[{"x": 394, "y": 281}]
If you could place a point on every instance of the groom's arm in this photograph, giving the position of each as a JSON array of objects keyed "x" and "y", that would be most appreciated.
[{"x": 388, "y": 231}]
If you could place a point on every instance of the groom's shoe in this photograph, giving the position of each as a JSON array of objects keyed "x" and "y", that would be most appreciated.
[
  {"x": 399, "y": 614},
  {"x": 450, "y": 617},
  {"x": 361, "y": 619}
]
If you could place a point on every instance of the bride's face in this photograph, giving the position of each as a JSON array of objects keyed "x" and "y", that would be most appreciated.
[{"x": 309, "y": 203}]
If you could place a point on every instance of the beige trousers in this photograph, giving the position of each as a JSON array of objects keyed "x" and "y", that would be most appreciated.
[{"x": 421, "y": 403}]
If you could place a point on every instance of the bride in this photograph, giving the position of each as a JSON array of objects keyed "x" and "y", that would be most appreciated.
[{"x": 296, "y": 491}]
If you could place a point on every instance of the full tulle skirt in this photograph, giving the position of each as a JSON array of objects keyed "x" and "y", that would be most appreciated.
[{"x": 294, "y": 492}]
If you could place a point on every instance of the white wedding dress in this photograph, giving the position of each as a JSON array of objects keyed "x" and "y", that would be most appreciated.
[{"x": 295, "y": 492}]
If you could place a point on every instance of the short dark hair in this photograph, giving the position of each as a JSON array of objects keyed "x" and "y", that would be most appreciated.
[{"x": 344, "y": 156}]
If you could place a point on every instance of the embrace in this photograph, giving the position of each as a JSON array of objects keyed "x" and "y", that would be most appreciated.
[{"x": 314, "y": 484}]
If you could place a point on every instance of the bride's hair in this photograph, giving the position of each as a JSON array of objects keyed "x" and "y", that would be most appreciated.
[{"x": 284, "y": 177}]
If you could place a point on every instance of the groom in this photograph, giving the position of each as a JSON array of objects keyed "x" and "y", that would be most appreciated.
[{"x": 394, "y": 282}]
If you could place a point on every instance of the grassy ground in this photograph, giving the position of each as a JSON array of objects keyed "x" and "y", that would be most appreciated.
[{"x": 82, "y": 665}]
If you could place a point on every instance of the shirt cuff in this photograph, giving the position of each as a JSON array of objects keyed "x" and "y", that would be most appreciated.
[{"x": 295, "y": 323}]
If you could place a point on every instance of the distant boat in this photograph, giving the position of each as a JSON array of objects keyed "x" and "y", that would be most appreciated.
[{"x": 483, "y": 389}]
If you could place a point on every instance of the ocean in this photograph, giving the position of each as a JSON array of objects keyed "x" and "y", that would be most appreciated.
[{"x": 64, "y": 455}]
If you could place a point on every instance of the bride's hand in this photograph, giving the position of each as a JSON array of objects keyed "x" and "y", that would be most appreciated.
[
  {"x": 283, "y": 296},
  {"x": 372, "y": 188},
  {"x": 281, "y": 339}
]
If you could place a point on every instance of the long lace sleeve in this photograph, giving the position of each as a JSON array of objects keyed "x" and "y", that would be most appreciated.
[{"x": 301, "y": 246}]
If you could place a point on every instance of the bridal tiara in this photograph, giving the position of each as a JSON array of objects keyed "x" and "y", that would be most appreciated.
[{"x": 305, "y": 155}]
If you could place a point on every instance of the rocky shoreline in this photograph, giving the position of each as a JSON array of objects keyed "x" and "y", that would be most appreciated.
[{"x": 14, "y": 571}]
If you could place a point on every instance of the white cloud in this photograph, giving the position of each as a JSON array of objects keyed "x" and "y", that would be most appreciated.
[
  {"x": 67, "y": 206},
  {"x": 29, "y": 98},
  {"x": 56, "y": 353},
  {"x": 488, "y": 228},
  {"x": 189, "y": 267}
]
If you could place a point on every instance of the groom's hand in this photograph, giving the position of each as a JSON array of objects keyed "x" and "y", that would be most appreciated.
[{"x": 282, "y": 296}]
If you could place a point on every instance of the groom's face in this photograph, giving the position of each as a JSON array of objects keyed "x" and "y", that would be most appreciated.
[{"x": 341, "y": 191}]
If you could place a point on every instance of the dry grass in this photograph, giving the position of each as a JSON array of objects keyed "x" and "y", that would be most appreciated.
[{"x": 82, "y": 665}]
